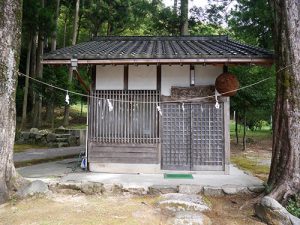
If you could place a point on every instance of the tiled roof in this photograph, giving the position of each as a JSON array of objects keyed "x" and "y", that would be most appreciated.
[{"x": 150, "y": 47}]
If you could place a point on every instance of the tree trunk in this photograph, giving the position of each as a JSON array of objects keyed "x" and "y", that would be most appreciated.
[
  {"x": 75, "y": 30},
  {"x": 54, "y": 34},
  {"x": 236, "y": 128},
  {"x": 67, "y": 107},
  {"x": 33, "y": 72},
  {"x": 25, "y": 97},
  {"x": 36, "y": 120},
  {"x": 244, "y": 133},
  {"x": 65, "y": 30},
  {"x": 184, "y": 30},
  {"x": 50, "y": 103},
  {"x": 175, "y": 6},
  {"x": 284, "y": 178},
  {"x": 10, "y": 38},
  {"x": 76, "y": 22},
  {"x": 37, "y": 116}
]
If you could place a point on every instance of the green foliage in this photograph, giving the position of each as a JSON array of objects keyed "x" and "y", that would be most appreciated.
[
  {"x": 166, "y": 22},
  {"x": 257, "y": 101},
  {"x": 58, "y": 76},
  {"x": 293, "y": 206},
  {"x": 251, "y": 22}
]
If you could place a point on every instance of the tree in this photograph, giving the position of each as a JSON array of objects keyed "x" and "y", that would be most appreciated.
[
  {"x": 10, "y": 39},
  {"x": 251, "y": 21},
  {"x": 74, "y": 39},
  {"x": 184, "y": 21},
  {"x": 284, "y": 178}
]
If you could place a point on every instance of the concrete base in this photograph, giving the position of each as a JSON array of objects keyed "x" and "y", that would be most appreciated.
[
  {"x": 60, "y": 172},
  {"x": 124, "y": 168},
  {"x": 143, "y": 168}
]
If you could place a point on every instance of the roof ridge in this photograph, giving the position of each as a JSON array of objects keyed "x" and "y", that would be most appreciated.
[{"x": 139, "y": 37}]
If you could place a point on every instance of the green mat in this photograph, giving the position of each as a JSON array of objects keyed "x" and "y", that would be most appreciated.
[{"x": 178, "y": 176}]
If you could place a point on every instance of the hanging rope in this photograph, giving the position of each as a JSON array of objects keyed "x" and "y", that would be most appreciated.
[{"x": 156, "y": 102}]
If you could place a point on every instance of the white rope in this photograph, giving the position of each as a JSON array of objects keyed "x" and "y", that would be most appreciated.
[{"x": 175, "y": 101}]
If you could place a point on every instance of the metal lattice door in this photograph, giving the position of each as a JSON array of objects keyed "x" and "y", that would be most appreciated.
[
  {"x": 176, "y": 132},
  {"x": 192, "y": 136},
  {"x": 207, "y": 136}
]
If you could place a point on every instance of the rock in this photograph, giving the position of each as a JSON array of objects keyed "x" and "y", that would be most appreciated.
[
  {"x": 32, "y": 135},
  {"x": 52, "y": 145},
  {"x": 62, "y": 144},
  {"x": 43, "y": 141},
  {"x": 189, "y": 218},
  {"x": 60, "y": 130},
  {"x": 190, "y": 189},
  {"x": 35, "y": 187},
  {"x": 44, "y": 132},
  {"x": 295, "y": 220},
  {"x": 174, "y": 202},
  {"x": 212, "y": 191},
  {"x": 51, "y": 137},
  {"x": 38, "y": 137},
  {"x": 113, "y": 188},
  {"x": 273, "y": 213},
  {"x": 20, "y": 141},
  {"x": 90, "y": 188},
  {"x": 162, "y": 189},
  {"x": 136, "y": 191},
  {"x": 34, "y": 130},
  {"x": 69, "y": 185},
  {"x": 234, "y": 189},
  {"x": 257, "y": 188},
  {"x": 72, "y": 140},
  {"x": 25, "y": 135}
]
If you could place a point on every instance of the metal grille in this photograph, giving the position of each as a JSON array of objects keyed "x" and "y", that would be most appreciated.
[
  {"x": 193, "y": 138},
  {"x": 134, "y": 118},
  {"x": 176, "y": 128},
  {"x": 207, "y": 144}
]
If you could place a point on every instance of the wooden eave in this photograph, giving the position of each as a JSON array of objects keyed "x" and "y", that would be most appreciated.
[{"x": 261, "y": 61}]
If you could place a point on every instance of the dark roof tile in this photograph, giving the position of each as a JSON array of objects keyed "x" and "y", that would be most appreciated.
[{"x": 167, "y": 47}]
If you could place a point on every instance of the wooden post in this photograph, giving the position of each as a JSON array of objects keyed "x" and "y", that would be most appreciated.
[{"x": 226, "y": 136}]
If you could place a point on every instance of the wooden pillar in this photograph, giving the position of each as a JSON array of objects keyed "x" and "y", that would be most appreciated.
[
  {"x": 158, "y": 78},
  {"x": 227, "y": 135},
  {"x": 126, "y": 69}
]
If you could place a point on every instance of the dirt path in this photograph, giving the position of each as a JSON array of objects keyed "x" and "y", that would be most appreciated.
[{"x": 80, "y": 209}]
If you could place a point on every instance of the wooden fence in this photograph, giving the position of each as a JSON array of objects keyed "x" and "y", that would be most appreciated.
[{"x": 132, "y": 116}]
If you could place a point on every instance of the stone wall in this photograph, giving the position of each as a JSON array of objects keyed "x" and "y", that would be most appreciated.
[{"x": 59, "y": 138}]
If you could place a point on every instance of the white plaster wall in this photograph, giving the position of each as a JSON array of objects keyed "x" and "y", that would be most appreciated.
[
  {"x": 109, "y": 77},
  {"x": 174, "y": 75},
  {"x": 142, "y": 77},
  {"x": 206, "y": 75}
]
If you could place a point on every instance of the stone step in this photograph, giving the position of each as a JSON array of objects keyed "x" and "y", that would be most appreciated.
[
  {"x": 62, "y": 139},
  {"x": 63, "y": 144},
  {"x": 63, "y": 135}
]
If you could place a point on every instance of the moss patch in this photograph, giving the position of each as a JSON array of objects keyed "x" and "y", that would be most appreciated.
[
  {"x": 251, "y": 165},
  {"x": 80, "y": 210},
  {"x": 38, "y": 161},
  {"x": 26, "y": 147}
]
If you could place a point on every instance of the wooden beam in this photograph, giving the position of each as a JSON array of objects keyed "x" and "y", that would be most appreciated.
[{"x": 165, "y": 61}]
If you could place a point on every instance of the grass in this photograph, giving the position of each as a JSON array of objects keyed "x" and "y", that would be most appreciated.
[
  {"x": 26, "y": 147},
  {"x": 76, "y": 109},
  {"x": 38, "y": 161},
  {"x": 79, "y": 209},
  {"x": 250, "y": 165},
  {"x": 263, "y": 133},
  {"x": 293, "y": 207}
]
